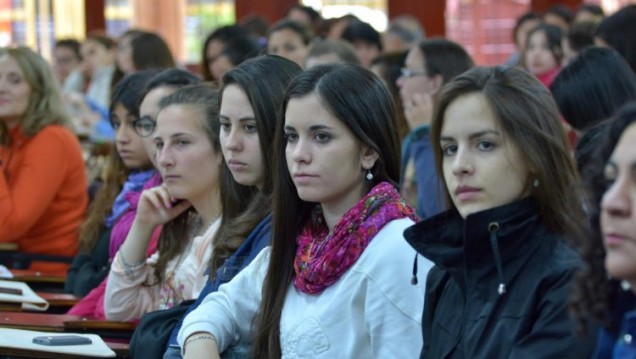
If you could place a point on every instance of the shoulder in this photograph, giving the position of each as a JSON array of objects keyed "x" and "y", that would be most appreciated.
[
  {"x": 388, "y": 245},
  {"x": 557, "y": 256},
  {"x": 387, "y": 264},
  {"x": 55, "y": 136}
]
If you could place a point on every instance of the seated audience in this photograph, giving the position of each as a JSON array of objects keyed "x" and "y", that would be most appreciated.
[
  {"x": 214, "y": 45},
  {"x": 187, "y": 204},
  {"x": 330, "y": 51},
  {"x": 250, "y": 100},
  {"x": 365, "y": 39},
  {"x": 233, "y": 54},
  {"x": 503, "y": 253},
  {"x": 543, "y": 54},
  {"x": 66, "y": 58},
  {"x": 618, "y": 32},
  {"x": 326, "y": 287},
  {"x": 604, "y": 290},
  {"x": 593, "y": 87},
  {"x": 579, "y": 36},
  {"x": 129, "y": 168},
  {"x": 289, "y": 39},
  {"x": 43, "y": 188},
  {"x": 428, "y": 66}
]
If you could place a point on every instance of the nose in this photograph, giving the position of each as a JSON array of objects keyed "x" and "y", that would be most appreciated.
[
  {"x": 123, "y": 133},
  {"x": 232, "y": 141},
  {"x": 616, "y": 200},
  {"x": 300, "y": 152},
  {"x": 164, "y": 157},
  {"x": 462, "y": 163}
]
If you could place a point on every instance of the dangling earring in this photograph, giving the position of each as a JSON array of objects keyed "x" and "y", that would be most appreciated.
[
  {"x": 369, "y": 175},
  {"x": 535, "y": 183}
]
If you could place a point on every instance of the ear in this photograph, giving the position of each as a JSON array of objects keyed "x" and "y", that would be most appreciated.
[
  {"x": 435, "y": 84},
  {"x": 368, "y": 157}
]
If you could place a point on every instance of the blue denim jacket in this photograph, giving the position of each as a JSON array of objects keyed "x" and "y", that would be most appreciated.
[
  {"x": 258, "y": 239},
  {"x": 417, "y": 146}
]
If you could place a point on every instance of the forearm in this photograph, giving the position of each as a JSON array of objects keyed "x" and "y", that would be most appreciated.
[
  {"x": 127, "y": 297},
  {"x": 201, "y": 345},
  {"x": 136, "y": 244}
]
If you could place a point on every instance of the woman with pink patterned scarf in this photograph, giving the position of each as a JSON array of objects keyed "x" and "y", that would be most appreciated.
[{"x": 336, "y": 281}]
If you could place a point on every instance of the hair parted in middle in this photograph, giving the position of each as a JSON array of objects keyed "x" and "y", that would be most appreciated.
[
  {"x": 362, "y": 102},
  {"x": 203, "y": 97},
  {"x": 264, "y": 80}
]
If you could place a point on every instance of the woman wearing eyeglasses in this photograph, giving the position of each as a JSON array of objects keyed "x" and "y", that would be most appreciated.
[
  {"x": 428, "y": 66},
  {"x": 129, "y": 168},
  {"x": 97, "y": 265},
  {"x": 187, "y": 206}
]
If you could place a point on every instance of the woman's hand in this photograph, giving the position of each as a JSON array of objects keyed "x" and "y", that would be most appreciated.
[{"x": 156, "y": 206}]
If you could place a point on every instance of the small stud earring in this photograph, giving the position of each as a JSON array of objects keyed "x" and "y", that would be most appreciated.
[
  {"x": 535, "y": 183},
  {"x": 369, "y": 175}
]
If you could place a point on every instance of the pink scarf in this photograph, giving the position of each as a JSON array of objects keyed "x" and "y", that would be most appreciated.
[{"x": 321, "y": 259}]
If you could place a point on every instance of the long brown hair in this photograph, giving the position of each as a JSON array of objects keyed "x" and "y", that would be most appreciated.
[
  {"x": 264, "y": 80},
  {"x": 45, "y": 105},
  {"x": 361, "y": 101},
  {"x": 527, "y": 114},
  {"x": 127, "y": 94},
  {"x": 203, "y": 97}
]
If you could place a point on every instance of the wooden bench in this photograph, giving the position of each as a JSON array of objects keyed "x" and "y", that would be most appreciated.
[
  {"x": 59, "y": 303},
  {"x": 39, "y": 281}
]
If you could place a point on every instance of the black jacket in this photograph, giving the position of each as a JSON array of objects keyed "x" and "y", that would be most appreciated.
[
  {"x": 89, "y": 269},
  {"x": 499, "y": 288}
]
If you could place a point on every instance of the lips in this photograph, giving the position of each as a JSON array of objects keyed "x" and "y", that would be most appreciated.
[
  {"x": 235, "y": 165},
  {"x": 170, "y": 177},
  {"x": 466, "y": 193},
  {"x": 614, "y": 239},
  {"x": 302, "y": 178},
  {"x": 125, "y": 153}
]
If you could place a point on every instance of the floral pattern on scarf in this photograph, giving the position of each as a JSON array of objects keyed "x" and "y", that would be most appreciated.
[{"x": 322, "y": 258}]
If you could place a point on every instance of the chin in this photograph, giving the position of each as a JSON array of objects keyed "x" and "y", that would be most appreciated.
[
  {"x": 309, "y": 196},
  {"x": 620, "y": 268}
]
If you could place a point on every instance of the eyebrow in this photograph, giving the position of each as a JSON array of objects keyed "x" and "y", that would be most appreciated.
[
  {"x": 473, "y": 135},
  {"x": 243, "y": 119},
  {"x": 311, "y": 128},
  {"x": 174, "y": 135}
]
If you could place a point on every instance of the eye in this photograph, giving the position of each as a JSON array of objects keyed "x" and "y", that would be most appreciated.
[
  {"x": 249, "y": 128},
  {"x": 485, "y": 146},
  {"x": 225, "y": 126},
  {"x": 182, "y": 143},
  {"x": 449, "y": 150},
  {"x": 15, "y": 79},
  {"x": 144, "y": 126},
  {"x": 322, "y": 137},
  {"x": 115, "y": 124},
  {"x": 609, "y": 175},
  {"x": 291, "y": 137},
  {"x": 159, "y": 144}
]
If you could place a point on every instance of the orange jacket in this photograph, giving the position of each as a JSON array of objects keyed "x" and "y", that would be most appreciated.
[{"x": 43, "y": 194}]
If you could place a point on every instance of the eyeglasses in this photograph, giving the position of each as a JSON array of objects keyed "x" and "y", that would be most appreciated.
[
  {"x": 143, "y": 127},
  {"x": 407, "y": 73}
]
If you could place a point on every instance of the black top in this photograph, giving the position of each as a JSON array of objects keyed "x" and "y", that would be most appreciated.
[{"x": 499, "y": 287}]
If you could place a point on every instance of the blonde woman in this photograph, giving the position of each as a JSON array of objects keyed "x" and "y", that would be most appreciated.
[{"x": 43, "y": 187}]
